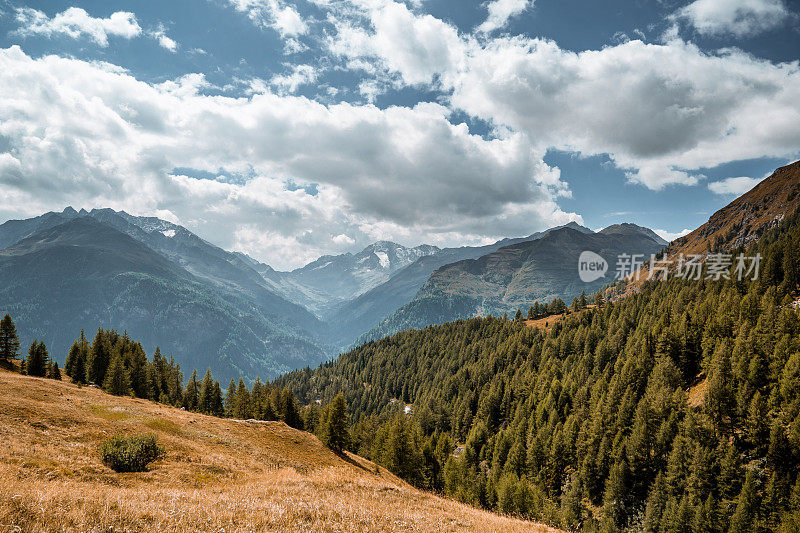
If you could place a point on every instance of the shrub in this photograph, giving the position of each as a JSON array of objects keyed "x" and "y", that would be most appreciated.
[{"x": 131, "y": 454}]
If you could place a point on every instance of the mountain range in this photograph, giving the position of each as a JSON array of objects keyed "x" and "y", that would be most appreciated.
[{"x": 208, "y": 307}]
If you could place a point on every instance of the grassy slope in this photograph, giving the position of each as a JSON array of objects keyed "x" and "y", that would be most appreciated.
[{"x": 217, "y": 474}]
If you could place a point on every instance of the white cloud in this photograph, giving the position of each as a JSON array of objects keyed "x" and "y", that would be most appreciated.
[
  {"x": 160, "y": 35},
  {"x": 420, "y": 48},
  {"x": 290, "y": 82},
  {"x": 75, "y": 22},
  {"x": 276, "y": 14},
  {"x": 500, "y": 11},
  {"x": 90, "y": 134},
  {"x": 670, "y": 236},
  {"x": 737, "y": 17},
  {"x": 343, "y": 239},
  {"x": 733, "y": 186},
  {"x": 661, "y": 111}
]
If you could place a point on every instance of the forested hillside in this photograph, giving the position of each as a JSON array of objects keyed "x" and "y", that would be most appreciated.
[{"x": 675, "y": 409}]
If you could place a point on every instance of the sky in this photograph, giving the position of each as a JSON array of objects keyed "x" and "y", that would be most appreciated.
[{"x": 289, "y": 130}]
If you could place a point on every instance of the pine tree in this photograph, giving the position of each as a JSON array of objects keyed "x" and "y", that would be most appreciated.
[
  {"x": 99, "y": 358},
  {"x": 205, "y": 398},
  {"x": 746, "y": 507},
  {"x": 289, "y": 411},
  {"x": 53, "y": 372},
  {"x": 217, "y": 409},
  {"x": 335, "y": 433},
  {"x": 75, "y": 367},
  {"x": 38, "y": 360},
  {"x": 190, "y": 397},
  {"x": 230, "y": 399},
  {"x": 242, "y": 405},
  {"x": 9, "y": 340},
  {"x": 117, "y": 381}
]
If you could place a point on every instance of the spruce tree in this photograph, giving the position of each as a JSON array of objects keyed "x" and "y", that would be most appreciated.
[
  {"x": 117, "y": 381},
  {"x": 78, "y": 354},
  {"x": 242, "y": 405},
  {"x": 99, "y": 358},
  {"x": 190, "y": 397},
  {"x": 204, "y": 399},
  {"x": 9, "y": 340},
  {"x": 230, "y": 399},
  {"x": 217, "y": 409},
  {"x": 335, "y": 433},
  {"x": 747, "y": 506},
  {"x": 53, "y": 372},
  {"x": 38, "y": 360}
]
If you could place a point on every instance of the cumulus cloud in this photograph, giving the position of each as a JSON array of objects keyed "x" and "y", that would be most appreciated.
[
  {"x": 733, "y": 186},
  {"x": 91, "y": 134},
  {"x": 737, "y": 17},
  {"x": 160, "y": 35},
  {"x": 75, "y": 22},
  {"x": 280, "y": 16},
  {"x": 660, "y": 111},
  {"x": 420, "y": 48},
  {"x": 291, "y": 81},
  {"x": 670, "y": 236},
  {"x": 500, "y": 12}
]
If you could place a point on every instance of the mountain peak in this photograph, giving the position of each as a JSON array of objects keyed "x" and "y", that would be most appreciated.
[{"x": 629, "y": 228}]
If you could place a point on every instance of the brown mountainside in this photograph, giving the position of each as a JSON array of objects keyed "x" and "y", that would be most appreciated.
[{"x": 748, "y": 217}]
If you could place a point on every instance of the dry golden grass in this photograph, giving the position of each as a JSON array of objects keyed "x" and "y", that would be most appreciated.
[
  {"x": 697, "y": 394},
  {"x": 217, "y": 475}
]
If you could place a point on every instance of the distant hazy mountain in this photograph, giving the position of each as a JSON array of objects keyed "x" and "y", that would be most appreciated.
[
  {"x": 159, "y": 281},
  {"x": 354, "y": 317},
  {"x": 332, "y": 279},
  {"x": 514, "y": 277}
]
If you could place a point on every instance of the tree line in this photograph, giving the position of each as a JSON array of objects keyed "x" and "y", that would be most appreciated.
[{"x": 119, "y": 365}]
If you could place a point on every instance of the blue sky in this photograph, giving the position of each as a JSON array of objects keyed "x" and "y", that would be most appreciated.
[{"x": 288, "y": 130}]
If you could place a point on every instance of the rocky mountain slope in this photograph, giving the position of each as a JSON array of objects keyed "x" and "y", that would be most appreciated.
[
  {"x": 747, "y": 217},
  {"x": 516, "y": 276}
]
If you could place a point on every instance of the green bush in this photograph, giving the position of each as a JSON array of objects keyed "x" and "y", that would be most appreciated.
[{"x": 131, "y": 454}]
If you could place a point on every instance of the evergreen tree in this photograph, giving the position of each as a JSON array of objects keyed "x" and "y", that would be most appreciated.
[
  {"x": 205, "y": 398},
  {"x": 38, "y": 360},
  {"x": 99, "y": 358},
  {"x": 78, "y": 355},
  {"x": 117, "y": 381},
  {"x": 746, "y": 507},
  {"x": 242, "y": 405},
  {"x": 190, "y": 397},
  {"x": 9, "y": 340},
  {"x": 335, "y": 434},
  {"x": 217, "y": 409},
  {"x": 230, "y": 399},
  {"x": 53, "y": 372}
]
